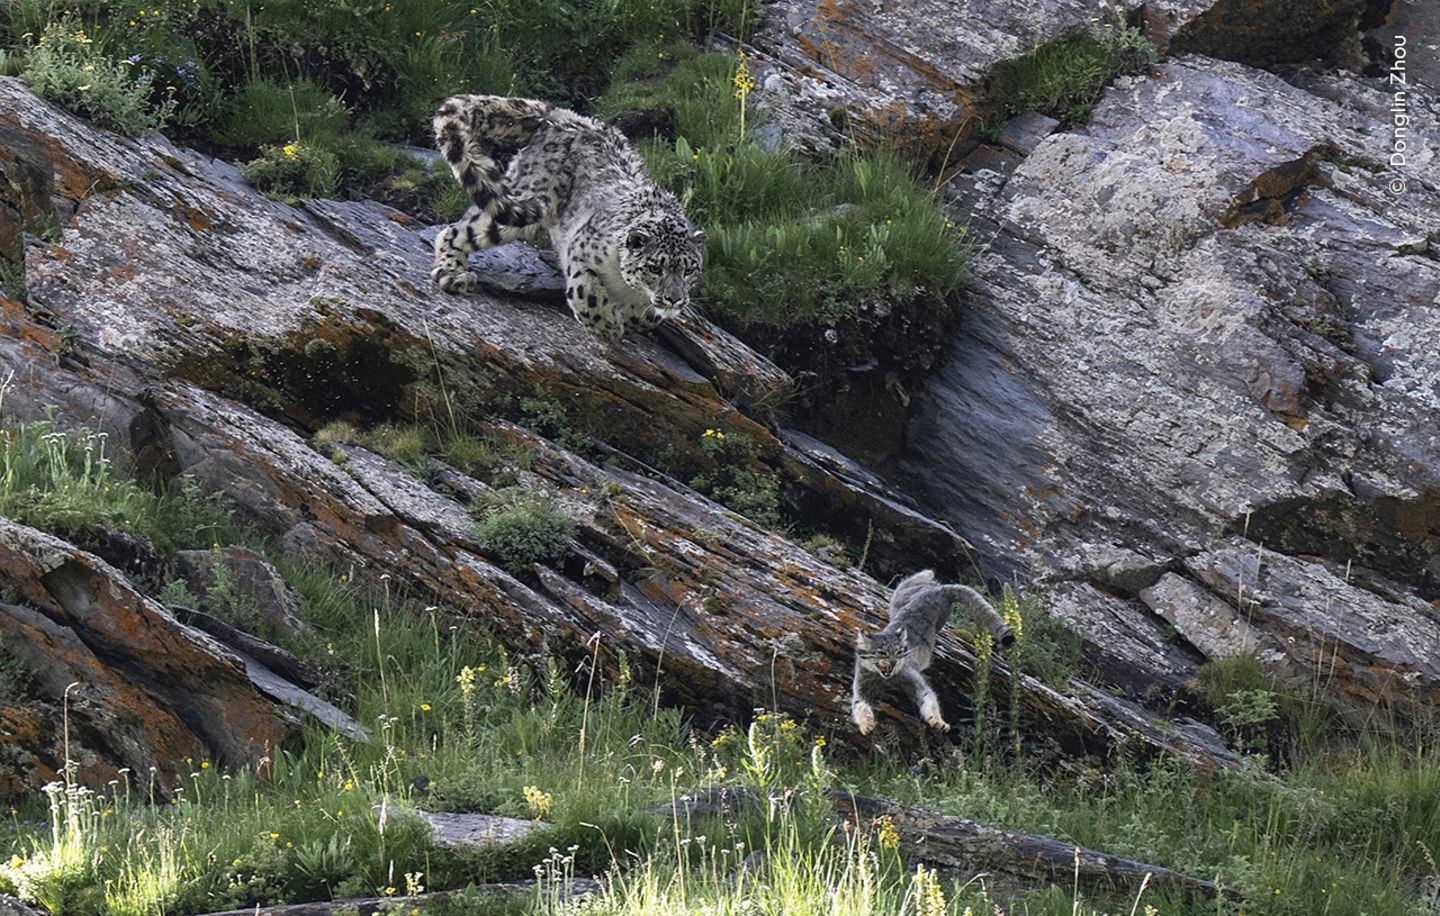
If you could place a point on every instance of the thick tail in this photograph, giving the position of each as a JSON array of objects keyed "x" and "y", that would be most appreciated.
[
  {"x": 980, "y": 609},
  {"x": 468, "y": 129}
]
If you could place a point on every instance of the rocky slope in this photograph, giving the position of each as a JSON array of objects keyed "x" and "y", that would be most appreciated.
[
  {"x": 1197, "y": 383},
  {"x": 1194, "y": 392},
  {"x": 210, "y": 332}
]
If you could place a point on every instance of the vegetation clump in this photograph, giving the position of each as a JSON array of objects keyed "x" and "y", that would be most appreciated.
[
  {"x": 1064, "y": 78},
  {"x": 738, "y": 479},
  {"x": 59, "y": 480},
  {"x": 521, "y": 530},
  {"x": 792, "y": 242},
  {"x": 66, "y": 68}
]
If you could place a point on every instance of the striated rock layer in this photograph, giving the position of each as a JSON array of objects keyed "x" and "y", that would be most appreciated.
[
  {"x": 210, "y": 331},
  {"x": 1206, "y": 327}
]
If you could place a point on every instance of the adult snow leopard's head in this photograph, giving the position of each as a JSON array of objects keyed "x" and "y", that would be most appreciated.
[
  {"x": 662, "y": 255},
  {"x": 882, "y": 653}
]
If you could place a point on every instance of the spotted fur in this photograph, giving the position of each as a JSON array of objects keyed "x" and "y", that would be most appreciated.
[
  {"x": 919, "y": 608},
  {"x": 629, "y": 255}
]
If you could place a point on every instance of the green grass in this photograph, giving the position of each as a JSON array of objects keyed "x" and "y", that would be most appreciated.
[
  {"x": 65, "y": 480},
  {"x": 792, "y": 242},
  {"x": 1345, "y": 825},
  {"x": 1064, "y": 79},
  {"x": 478, "y": 455}
]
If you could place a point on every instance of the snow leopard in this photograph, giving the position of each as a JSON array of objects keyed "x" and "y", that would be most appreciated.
[
  {"x": 629, "y": 255},
  {"x": 919, "y": 607}
]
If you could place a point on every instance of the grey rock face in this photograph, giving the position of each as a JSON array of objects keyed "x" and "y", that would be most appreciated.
[
  {"x": 1213, "y": 311},
  {"x": 911, "y": 72},
  {"x": 458, "y": 829},
  {"x": 248, "y": 575}
]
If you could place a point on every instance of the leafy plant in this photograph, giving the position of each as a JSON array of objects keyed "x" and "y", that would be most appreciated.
[
  {"x": 522, "y": 530},
  {"x": 65, "y": 68},
  {"x": 738, "y": 477}
]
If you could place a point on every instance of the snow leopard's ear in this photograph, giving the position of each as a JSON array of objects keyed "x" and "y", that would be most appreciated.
[
  {"x": 699, "y": 237},
  {"x": 637, "y": 239},
  {"x": 862, "y": 641}
]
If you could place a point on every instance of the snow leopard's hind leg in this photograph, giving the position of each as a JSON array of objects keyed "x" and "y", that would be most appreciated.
[{"x": 474, "y": 231}]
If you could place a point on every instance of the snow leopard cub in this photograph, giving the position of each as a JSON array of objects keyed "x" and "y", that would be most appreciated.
[
  {"x": 919, "y": 607},
  {"x": 629, "y": 255}
]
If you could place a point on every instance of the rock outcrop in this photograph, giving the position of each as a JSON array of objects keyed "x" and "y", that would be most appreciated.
[
  {"x": 1207, "y": 323},
  {"x": 1194, "y": 394},
  {"x": 210, "y": 331},
  {"x": 122, "y": 683}
]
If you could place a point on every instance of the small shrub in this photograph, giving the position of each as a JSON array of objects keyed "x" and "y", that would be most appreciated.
[
  {"x": 293, "y": 171},
  {"x": 65, "y": 68},
  {"x": 523, "y": 530},
  {"x": 738, "y": 478},
  {"x": 223, "y": 598},
  {"x": 1050, "y": 651},
  {"x": 1242, "y": 698}
]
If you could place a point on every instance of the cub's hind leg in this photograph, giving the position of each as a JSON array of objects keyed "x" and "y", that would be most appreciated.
[
  {"x": 928, "y": 700},
  {"x": 475, "y": 230},
  {"x": 861, "y": 713}
]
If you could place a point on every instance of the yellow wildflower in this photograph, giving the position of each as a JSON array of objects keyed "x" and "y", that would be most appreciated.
[
  {"x": 538, "y": 800},
  {"x": 886, "y": 833}
]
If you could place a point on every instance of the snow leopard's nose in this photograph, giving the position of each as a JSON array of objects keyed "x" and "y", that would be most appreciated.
[{"x": 672, "y": 294}]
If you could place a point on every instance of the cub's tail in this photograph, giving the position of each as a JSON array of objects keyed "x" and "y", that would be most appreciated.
[
  {"x": 471, "y": 131},
  {"x": 980, "y": 609}
]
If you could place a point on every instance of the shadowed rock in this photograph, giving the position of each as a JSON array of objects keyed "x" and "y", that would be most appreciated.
[{"x": 141, "y": 688}]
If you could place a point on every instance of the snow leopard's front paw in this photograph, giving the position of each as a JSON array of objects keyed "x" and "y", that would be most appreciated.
[
  {"x": 864, "y": 716},
  {"x": 455, "y": 281},
  {"x": 930, "y": 712}
]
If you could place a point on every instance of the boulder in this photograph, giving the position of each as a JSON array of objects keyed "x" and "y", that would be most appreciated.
[
  {"x": 134, "y": 687},
  {"x": 1206, "y": 320}
]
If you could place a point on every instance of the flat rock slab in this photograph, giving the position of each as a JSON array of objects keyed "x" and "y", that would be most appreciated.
[
  {"x": 281, "y": 690},
  {"x": 152, "y": 691},
  {"x": 455, "y": 829}
]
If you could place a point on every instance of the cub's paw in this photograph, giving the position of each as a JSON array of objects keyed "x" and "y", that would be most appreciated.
[
  {"x": 930, "y": 712},
  {"x": 455, "y": 281},
  {"x": 864, "y": 717}
]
